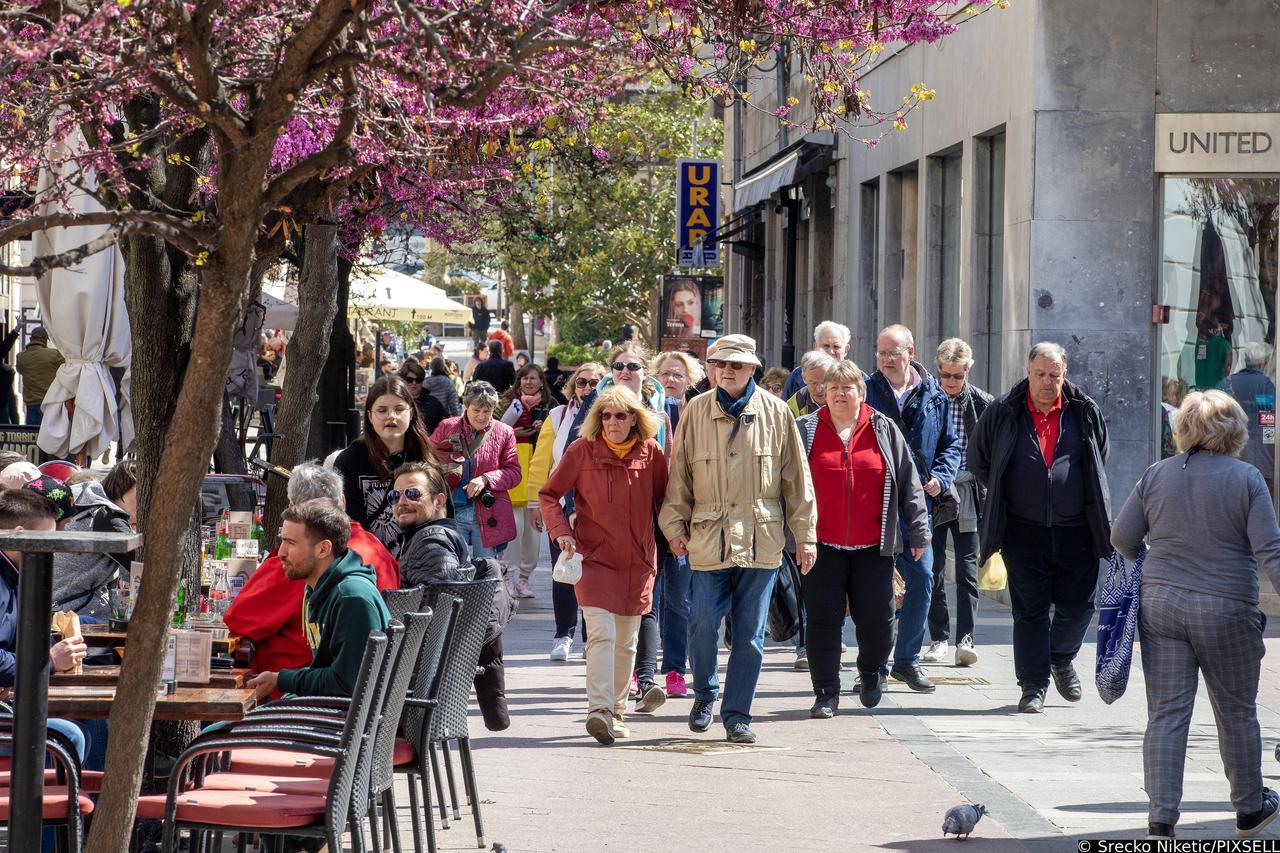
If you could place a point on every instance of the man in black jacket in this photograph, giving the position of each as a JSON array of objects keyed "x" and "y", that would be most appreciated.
[
  {"x": 496, "y": 370},
  {"x": 956, "y": 512},
  {"x": 431, "y": 550},
  {"x": 1041, "y": 451}
]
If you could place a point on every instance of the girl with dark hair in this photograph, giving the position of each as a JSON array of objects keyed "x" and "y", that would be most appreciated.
[
  {"x": 393, "y": 435},
  {"x": 524, "y": 406}
]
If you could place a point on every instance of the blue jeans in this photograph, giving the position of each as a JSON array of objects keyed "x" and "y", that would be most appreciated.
[
  {"x": 744, "y": 594},
  {"x": 914, "y": 613},
  {"x": 34, "y": 415},
  {"x": 465, "y": 516},
  {"x": 671, "y": 600}
]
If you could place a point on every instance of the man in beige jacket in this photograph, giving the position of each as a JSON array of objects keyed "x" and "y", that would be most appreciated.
[{"x": 738, "y": 471}]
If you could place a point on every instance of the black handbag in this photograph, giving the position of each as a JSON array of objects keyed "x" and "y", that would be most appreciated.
[{"x": 786, "y": 604}]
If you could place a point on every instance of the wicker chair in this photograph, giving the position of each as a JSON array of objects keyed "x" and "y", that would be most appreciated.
[
  {"x": 403, "y": 601},
  {"x": 457, "y": 677}
]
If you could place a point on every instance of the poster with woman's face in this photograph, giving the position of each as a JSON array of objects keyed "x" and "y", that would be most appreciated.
[
  {"x": 712, "y": 288},
  {"x": 682, "y": 307}
]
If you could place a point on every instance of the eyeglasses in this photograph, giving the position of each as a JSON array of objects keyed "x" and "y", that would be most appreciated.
[
  {"x": 413, "y": 494},
  {"x": 951, "y": 377},
  {"x": 398, "y": 412},
  {"x": 632, "y": 366},
  {"x": 586, "y": 383},
  {"x": 671, "y": 374},
  {"x": 725, "y": 365},
  {"x": 898, "y": 353},
  {"x": 412, "y": 380},
  {"x": 614, "y": 416}
]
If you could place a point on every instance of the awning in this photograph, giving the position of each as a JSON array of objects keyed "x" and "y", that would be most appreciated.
[
  {"x": 384, "y": 294},
  {"x": 788, "y": 167}
]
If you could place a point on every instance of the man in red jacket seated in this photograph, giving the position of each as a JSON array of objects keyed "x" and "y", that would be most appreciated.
[{"x": 268, "y": 609}]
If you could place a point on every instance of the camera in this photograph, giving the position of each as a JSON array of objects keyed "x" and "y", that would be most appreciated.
[{"x": 486, "y": 498}]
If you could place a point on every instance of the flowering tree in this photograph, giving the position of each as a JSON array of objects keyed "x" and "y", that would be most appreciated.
[{"x": 207, "y": 131}]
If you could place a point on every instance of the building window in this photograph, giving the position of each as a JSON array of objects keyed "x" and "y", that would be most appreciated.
[
  {"x": 943, "y": 295},
  {"x": 988, "y": 260},
  {"x": 1218, "y": 273},
  {"x": 867, "y": 307},
  {"x": 902, "y": 223}
]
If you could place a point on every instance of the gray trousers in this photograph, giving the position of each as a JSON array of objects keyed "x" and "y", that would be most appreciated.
[{"x": 1183, "y": 634}]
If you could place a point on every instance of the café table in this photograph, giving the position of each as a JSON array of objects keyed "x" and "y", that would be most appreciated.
[
  {"x": 93, "y": 702},
  {"x": 98, "y": 636},
  {"x": 100, "y": 676}
]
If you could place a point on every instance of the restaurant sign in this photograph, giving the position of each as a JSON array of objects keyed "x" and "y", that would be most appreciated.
[
  {"x": 1242, "y": 143},
  {"x": 21, "y": 439}
]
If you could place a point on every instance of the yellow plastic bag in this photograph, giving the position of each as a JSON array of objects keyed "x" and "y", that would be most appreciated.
[{"x": 992, "y": 575}]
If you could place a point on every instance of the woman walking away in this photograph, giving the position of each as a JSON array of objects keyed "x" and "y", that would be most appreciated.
[
  {"x": 524, "y": 408},
  {"x": 552, "y": 441},
  {"x": 1208, "y": 521},
  {"x": 441, "y": 386},
  {"x": 867, "y": 492},
  {"x": 481, "y": 466},
  {"x": 618, "y": 475},
  {"x": 393, "y": 435}
]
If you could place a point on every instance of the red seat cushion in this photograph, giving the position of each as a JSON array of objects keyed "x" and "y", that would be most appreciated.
[
  {"x": 54, "y": 806},
  {"x": 249, "y": 809},
  {"x": 404, "y": 753},
  {"x": 278, "y": 762},
  {"x": 90, "y": 780},
  {"x": 266, "y": 784}
]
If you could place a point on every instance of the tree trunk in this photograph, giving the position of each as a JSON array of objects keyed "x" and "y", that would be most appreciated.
[
  {"x": 515, "y": 313},
  {"x": 335, "y": 401},
  {"x": 173, "y": 457},
  {"x": 317, "y": 305}
]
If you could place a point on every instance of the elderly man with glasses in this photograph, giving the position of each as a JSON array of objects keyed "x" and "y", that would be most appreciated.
[
  {"x": 738, "y": 474},
  {"x": 903, "y": 389}
]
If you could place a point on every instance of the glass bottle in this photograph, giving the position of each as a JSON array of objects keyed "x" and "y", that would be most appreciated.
[
  {"x": 180, "y": 612},
  {"x": 222, "y": 544},
  {"x": 257, "y": 532},
  {"x": 219, "y": 592}
]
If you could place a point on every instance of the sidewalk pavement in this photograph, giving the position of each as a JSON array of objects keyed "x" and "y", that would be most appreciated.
[{"x": 878, "y": 780}]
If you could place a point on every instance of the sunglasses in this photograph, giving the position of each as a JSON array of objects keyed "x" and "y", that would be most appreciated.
[
  {"x": 614, "y": 416},
  {"x": 412, "y": 380},
  {"x": 586, "y": 383},
  {"x": 951, "y": 377},
  {"x": 725, "y": 365},
  {"x": 413, "y": 494},
  {"x": 632, "y": 366}
]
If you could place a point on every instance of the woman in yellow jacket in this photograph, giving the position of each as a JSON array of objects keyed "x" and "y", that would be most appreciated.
[
  {"x": 523, "y": 407},
  {"x": 552, "y": 441}
]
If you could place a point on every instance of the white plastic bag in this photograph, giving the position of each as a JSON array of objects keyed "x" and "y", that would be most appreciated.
[{"x": 568, "y": 569}]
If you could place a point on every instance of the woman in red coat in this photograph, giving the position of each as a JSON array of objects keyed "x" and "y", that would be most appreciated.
[{"x": 618, "y": 475}]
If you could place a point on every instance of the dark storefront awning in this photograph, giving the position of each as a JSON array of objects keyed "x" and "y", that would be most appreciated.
[{"x": 788, "y": 167}]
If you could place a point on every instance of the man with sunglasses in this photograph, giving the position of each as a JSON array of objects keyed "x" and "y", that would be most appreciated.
[
  {"x": 431, "y": 547},
  {"x": 738, "y": 474}
]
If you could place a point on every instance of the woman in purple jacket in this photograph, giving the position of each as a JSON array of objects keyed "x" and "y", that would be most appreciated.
[{"x": 479, "y": 454}]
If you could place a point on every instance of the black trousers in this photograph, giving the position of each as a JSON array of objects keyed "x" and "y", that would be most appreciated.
[
  {"x": 1049, "y": 567},
  {"x": 966, "y": 551},
  {"x": 862, "y": 581},
  {"x": 491, "y": 686}
]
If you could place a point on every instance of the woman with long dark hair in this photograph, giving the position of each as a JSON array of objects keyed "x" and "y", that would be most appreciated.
[
  {"x": 524, "y": 407},
  {"x": 393, "y": 435}
]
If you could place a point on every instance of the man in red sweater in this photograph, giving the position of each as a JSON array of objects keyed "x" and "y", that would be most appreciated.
[{"x": 268, "y": 609}]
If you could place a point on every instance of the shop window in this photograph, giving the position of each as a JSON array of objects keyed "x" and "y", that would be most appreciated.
[
  {"x": 867, "y": 307},
  {"x": 945, "y": 191},
  {"x": 988, "y": 261}
]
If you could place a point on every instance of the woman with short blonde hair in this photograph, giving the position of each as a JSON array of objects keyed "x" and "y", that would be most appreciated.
[
  {"x": 1210, "y": 526},
  {"x": 618, "y": 476}
]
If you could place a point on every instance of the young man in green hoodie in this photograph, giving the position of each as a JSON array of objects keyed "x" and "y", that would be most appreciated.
[{"x": 341, "y": 605}]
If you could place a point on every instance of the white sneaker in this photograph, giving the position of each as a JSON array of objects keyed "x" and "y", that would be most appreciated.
[
  {"x": 936, "y": 652},
  {"x": 521, "y": 589},
  {"x": 560, "y": 648},
  {"x": 965, "y": 655}
]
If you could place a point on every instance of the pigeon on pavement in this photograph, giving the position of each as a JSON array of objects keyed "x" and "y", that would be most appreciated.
[{"x": 960, "y": 820}]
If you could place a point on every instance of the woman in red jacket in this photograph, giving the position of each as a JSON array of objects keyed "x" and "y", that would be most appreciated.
[
  {"x": 867, "y": 492},
  {"x": 618, "y": 475}
]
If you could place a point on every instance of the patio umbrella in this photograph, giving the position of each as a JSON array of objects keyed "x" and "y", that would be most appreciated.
[
  {"x": 385, "y": 294},
  {"x": 83, "y": 309}
]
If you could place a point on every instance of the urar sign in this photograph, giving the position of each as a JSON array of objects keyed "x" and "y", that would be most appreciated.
[{"x": 698, "y": 200}]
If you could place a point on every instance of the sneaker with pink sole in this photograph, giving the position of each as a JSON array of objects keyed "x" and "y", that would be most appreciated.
[
  {"x": 635, "y": 687},
  {"x": 676, "y": 686},
  {"x": 521, "y": 589}
]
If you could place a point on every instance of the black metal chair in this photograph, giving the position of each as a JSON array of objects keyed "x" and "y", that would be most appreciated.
[
  {"x": 191, "y": 807},
  {"x": 65, "y": 804},
  {"x": 418, "y": 708},
  {"x": 448, "y": 722},
  {"x": 402, "y": 601}
]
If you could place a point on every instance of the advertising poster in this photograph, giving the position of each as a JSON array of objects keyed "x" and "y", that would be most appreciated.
[
  {"x": 698, "y": 201},
  {"x": 692, "y": 307}
]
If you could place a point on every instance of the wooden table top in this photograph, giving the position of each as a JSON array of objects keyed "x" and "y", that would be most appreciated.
[
  {"x": 93, "y": 702},
  {"x": 106, "y": 676},
  {"x": 100, "y": 635}
]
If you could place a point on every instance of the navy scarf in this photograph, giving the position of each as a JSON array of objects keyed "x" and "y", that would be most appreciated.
[{"x": 733, "y": 408}]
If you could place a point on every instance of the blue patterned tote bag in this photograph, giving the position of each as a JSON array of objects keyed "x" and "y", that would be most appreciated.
[{"x": 1117, "y": 625}]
